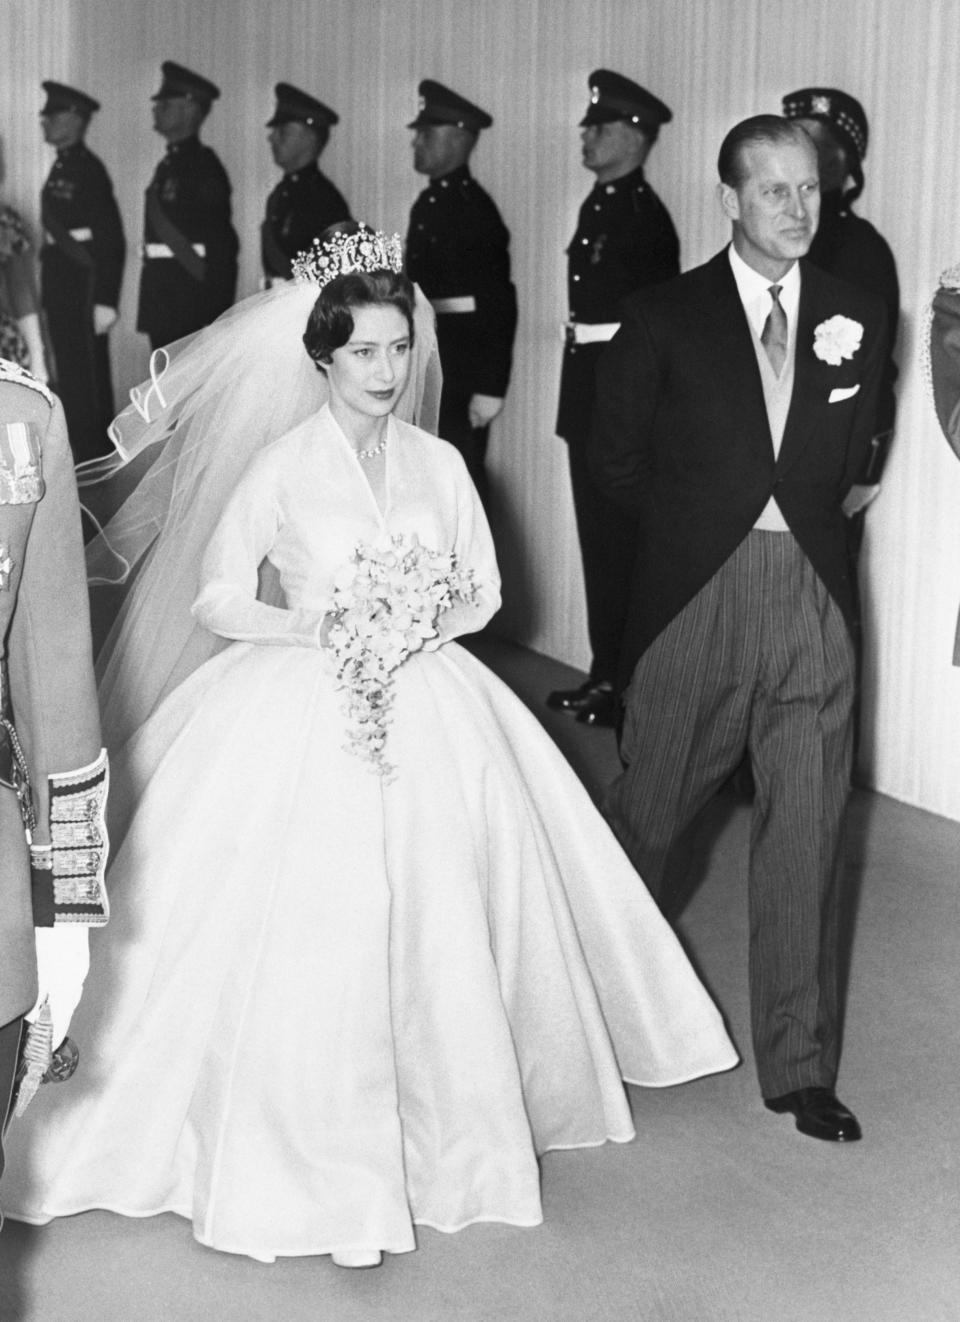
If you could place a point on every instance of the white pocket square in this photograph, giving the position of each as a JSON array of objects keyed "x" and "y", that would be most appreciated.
[{"x": 842, "y": 392}]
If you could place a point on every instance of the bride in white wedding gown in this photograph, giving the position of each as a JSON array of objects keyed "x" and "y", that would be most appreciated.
[{"x": 334, "y": 1005}]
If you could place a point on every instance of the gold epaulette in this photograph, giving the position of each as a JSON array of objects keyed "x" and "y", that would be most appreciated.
[{"x": 13, "y": 372}]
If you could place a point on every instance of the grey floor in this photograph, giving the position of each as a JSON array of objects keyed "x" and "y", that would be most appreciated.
[{"x": 718, "y": 1210}]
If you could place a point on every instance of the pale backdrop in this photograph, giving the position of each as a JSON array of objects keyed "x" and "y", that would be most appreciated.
[{"x": 713, "y": 61}]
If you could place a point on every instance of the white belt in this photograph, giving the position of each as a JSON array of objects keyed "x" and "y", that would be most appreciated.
[
  {"x": 151, "y": 250},
  {"x": 82, "y": 235},
  {"x": 461, "y": 303},
  {"x": 588, "y": 332}
]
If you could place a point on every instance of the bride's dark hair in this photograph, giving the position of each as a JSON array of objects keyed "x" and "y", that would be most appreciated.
[{"x": 330, "y": 324}]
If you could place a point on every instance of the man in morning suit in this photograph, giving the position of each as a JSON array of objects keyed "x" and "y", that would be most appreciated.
[
  {"x": 734, "y": 409},
  {"x": 81, "y": 265},
  {"x": 458, "y": 253},
  {"x": 190, "y": 247},
  {"x": 53, "y": 771},
  {"x": 304, "y": 202},
  {"x": 624, "y": 240}
]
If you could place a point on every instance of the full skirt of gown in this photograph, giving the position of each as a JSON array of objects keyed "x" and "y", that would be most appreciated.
[{"x": 330, "y": 1007}]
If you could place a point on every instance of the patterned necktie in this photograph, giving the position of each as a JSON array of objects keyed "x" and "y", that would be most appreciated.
[{"x": 774, "y": 334}]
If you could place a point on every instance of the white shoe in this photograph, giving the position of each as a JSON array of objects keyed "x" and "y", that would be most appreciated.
[{"x": 358, "y": 1258}]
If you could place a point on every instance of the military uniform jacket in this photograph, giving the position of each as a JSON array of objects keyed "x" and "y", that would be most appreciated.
[
  {"x": 85, "y": 249},
  {"x": 682, "y": 437},
  {"x": 458, "y": 247},
  {"x": 193, "y": 191},
  {"x": 624, "y": 240},
  {"x": 299, "y": 209},
  {"x": 45, "y": 626}
]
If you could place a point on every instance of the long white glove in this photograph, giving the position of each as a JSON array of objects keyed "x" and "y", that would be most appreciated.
[
  {"x": 103, "y": 318},
  {"x": 63, "y": 958},
  {"x": 30, "y": 330},
  {"x": 482, "y": 409}
]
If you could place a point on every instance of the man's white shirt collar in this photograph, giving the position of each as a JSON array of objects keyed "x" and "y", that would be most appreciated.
[{"x": 754, "y": 291}]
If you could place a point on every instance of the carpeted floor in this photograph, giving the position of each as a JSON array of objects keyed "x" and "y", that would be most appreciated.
[{"x": 717, "y": 1211}]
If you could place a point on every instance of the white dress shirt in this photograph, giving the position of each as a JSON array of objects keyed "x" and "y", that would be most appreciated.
[{"x": 754, "y": 291}]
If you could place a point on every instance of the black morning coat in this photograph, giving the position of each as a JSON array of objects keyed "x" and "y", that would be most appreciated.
[
  {"x": 849, "y": 247},
  {"x": 681, "y": 436}
]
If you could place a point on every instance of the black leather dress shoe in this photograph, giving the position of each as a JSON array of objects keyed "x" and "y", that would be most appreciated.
[
  {"x": 579, "y": 699},
  {"x": 819, "y": 1113}
]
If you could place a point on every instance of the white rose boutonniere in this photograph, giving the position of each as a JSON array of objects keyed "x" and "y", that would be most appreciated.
[{"x": 837, "y": 338}]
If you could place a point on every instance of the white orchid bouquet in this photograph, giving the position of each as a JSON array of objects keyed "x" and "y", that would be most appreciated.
[{"x": 387, "y": 601}]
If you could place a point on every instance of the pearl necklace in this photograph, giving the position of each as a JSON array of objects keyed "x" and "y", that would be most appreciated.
[{"x": 373, "y": 451}]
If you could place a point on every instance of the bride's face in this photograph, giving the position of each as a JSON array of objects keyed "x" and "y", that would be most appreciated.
[{"x": 368, "y": 373}]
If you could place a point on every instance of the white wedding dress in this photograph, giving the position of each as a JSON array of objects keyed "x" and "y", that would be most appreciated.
[{"x": 330, "y": 1007}]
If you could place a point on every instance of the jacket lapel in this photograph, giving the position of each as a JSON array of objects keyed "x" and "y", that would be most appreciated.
[
  {"x": 810, "y": 386},
  {"x": 733, "y": 359}
]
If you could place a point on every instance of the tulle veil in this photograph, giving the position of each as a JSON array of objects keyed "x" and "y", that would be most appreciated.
[{"x": 212, "y": 401}]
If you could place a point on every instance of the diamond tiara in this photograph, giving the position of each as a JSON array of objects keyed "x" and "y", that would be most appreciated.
[{"x": 367, "y": 250}]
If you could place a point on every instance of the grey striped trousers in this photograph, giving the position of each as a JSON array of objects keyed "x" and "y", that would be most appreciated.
[{"x": 760, "y": 659}]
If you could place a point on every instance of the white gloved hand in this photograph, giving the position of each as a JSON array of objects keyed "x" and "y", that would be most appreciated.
[
  {"x": 63, "y": 958},
  {"x": 30, "y": 330},
  {"x": 482, "y": 409},
  {"x": 859, "y": 497},
  {"x": 103, "y": 318}
]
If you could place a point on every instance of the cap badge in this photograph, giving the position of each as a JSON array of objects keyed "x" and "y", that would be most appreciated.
[{"x": 820, "y": 105}]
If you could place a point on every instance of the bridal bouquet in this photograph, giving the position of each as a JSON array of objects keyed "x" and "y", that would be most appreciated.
[{"x": 386, "y": 603}]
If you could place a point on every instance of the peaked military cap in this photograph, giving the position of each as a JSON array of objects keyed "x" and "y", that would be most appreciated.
[
  {"x": 843, "y": 113},
  {"x": 614, "y": 97},
  {"x": 61, "y": 97},
  {"x": 178, "y": 81},
  {"x": 438, "y": 105},
  {"x": 294, "y": 105}
]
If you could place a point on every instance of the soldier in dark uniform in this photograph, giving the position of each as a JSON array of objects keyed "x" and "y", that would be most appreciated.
[
  {"x": 190, "y": 247},
  {"x": 53, "y": 771},
  {"x": 458, "y": 253},
  {"x": 624, "y": 239},
  {"x": 81, "y": 269},
  {"x": 304, "y": 202},
  {"x": 848, "y": 246}
]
